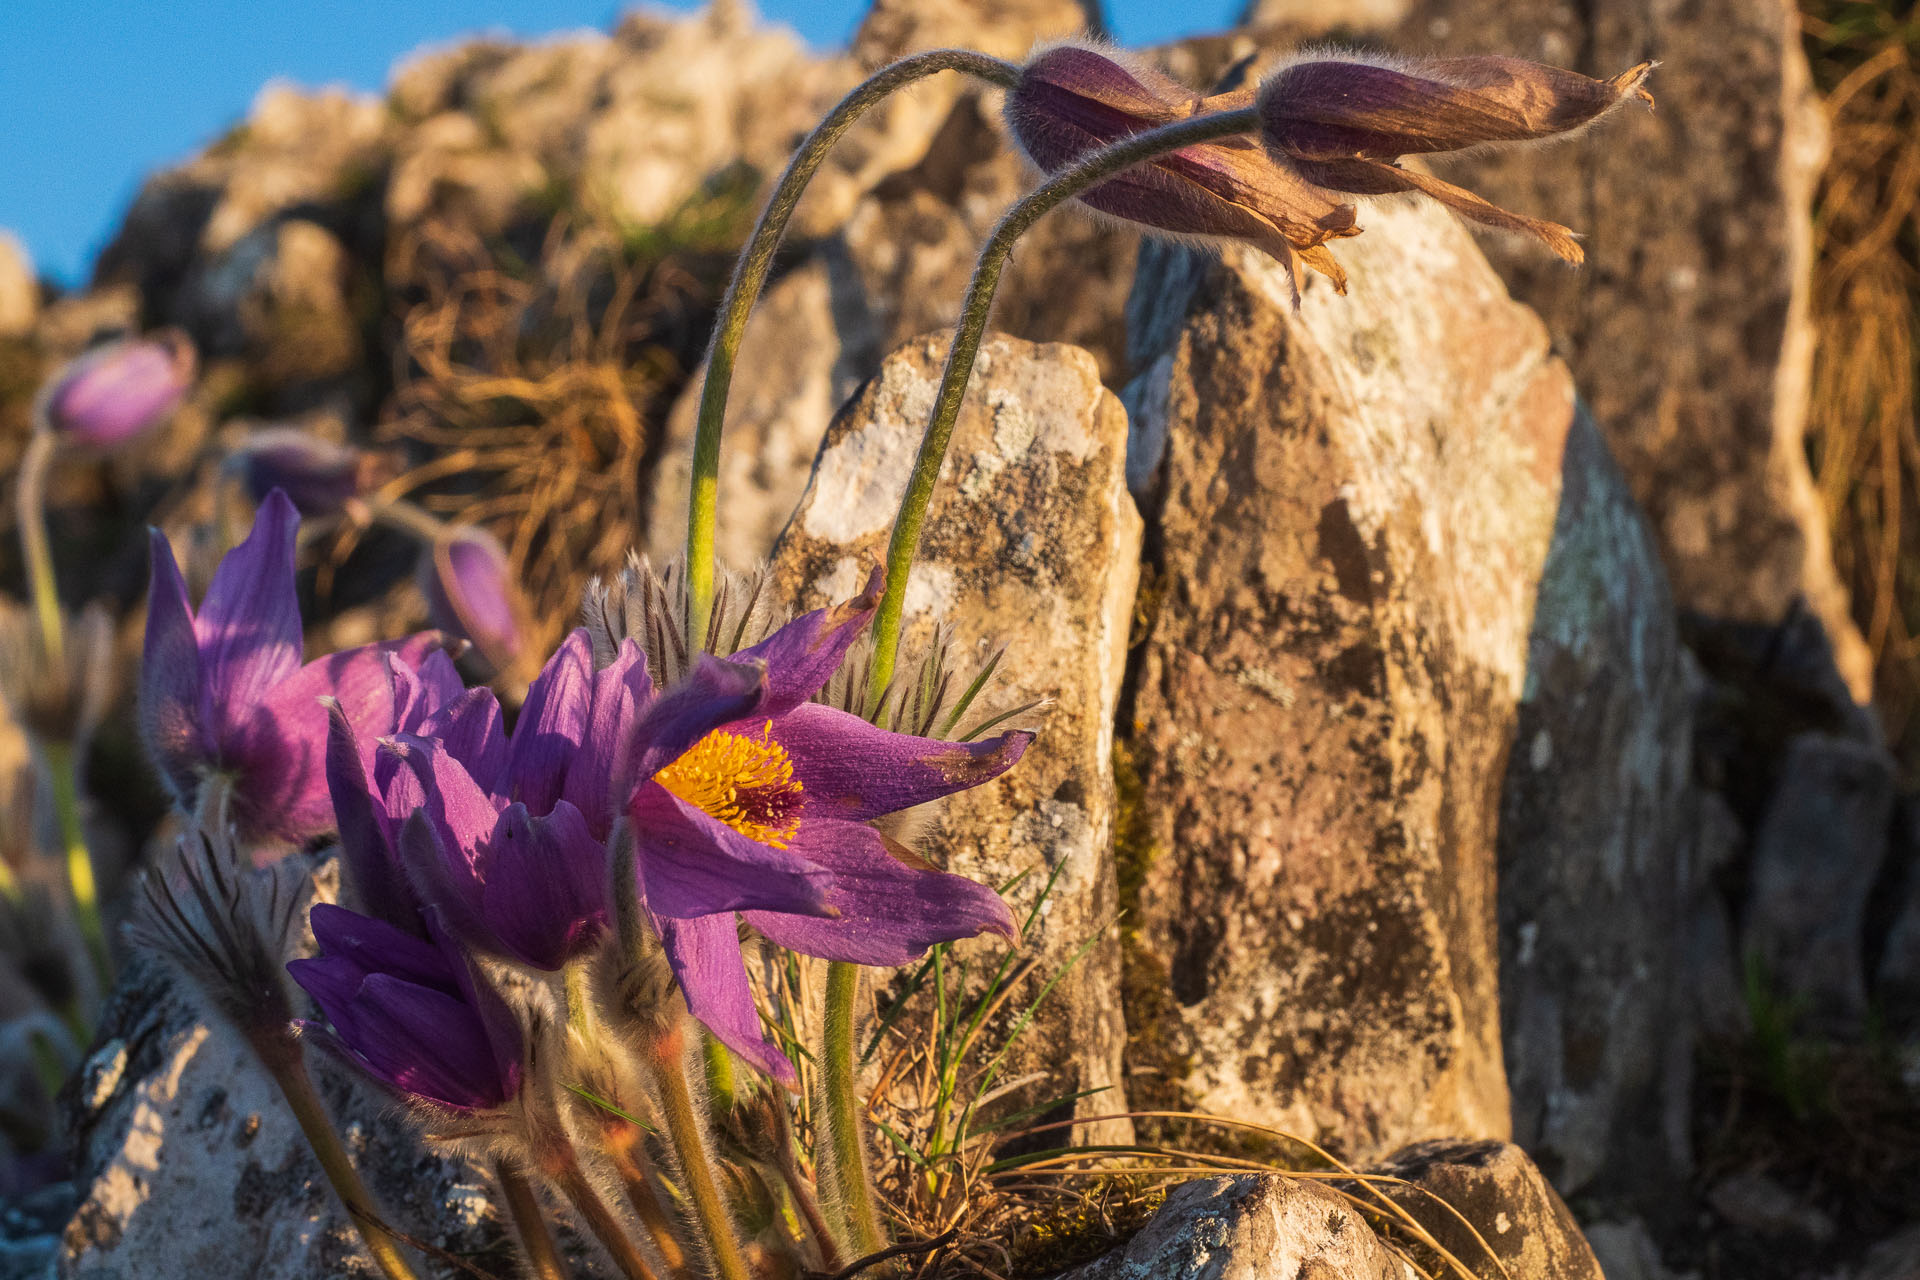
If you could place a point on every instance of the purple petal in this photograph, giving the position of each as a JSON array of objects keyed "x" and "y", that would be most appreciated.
[
  {"x": 114, "y": 392},
  {"x": 426, "y": 1042},
  {"x": 173, "y": 717},
  {"x": 417, "y": 694},
  {"x": 349, "y": 939},
  {"x": 446, "y": 880},
  {"x": 890, "y": 912},
  {"x": 544, "y": 895},
  {"x": 471, "y": 730},
  {"x": 373, "y": 879},
  {"x": 705, "y": 955},
  {"x": 595, "y": 776},
  {"x": 716, "y": 693},
  {"x": 460, "y": 810},
  {"x": 691, "y": 864},
  {"x": 502, "y": 1029},
  {"x": 249, "y": 624},
  {"x": 854, "y": 770},
  {"x": 553, "y": 721},
  {"x": 805, "y": 653},
  {"x": 471, "y": 591}
]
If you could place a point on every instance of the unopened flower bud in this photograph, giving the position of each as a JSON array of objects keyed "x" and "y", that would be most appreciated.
[
  {"x": 470, "y": 591},
  {"x": 1342, "y": 124},
  {"x": 1073, "y": 99},
  {"x": 319, "y": 475},
  {"x": 115, "y": 392}
]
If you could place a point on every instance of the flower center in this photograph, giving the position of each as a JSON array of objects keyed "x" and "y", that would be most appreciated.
[{"x": 742, "y": 780}]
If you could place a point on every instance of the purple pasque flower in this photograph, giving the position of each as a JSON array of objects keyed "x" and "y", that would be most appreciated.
[
  {"x": 751, "y": 763},
  {"x": 506, "y": 836},
  {"x": 223, "y": 693},
  {"x": 470, "y": 591},
  {"x": 320, "y": 476},
  {"x": 116, "y": 391},
  {"x": 411, "y": 1011}
]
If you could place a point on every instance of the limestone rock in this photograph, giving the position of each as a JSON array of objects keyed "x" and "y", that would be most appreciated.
[
  {"x": 1596, "y": 832},
  {"x": 1003, "y": 28},
  {"x": 1249, "y": 1227},
  {"x": 1033, "y": 543},
  {"x": 189, "y": 1162},
  {"x": 1816, "y": 857},
  {"x": 1687, "y": 329},
  {"x": 1354, "y": 510},
  {"x": 797, "y": 366},
  {"x": 19, "y": 288},
  {"x": 1520, "y": 1220}
]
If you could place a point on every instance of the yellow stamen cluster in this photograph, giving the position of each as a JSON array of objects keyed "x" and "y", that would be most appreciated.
[{"x": 743, "y": 780}]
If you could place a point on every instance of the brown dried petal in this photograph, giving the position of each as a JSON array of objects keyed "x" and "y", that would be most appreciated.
[
  {"x": 1376, "y": 178},
  {"x": 1331, "y": 109}
]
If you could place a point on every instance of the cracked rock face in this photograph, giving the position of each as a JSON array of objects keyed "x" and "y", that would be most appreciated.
[
  {"x": 1033, "y": 543},
  {"x": 1354, "y": 504},
  {"x": 190, "y": 1163},
  {"x": 1687, "y": 329}
]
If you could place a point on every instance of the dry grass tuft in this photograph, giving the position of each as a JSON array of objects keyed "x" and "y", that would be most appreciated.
[
  {"x": 1863, "y": 433},
  {"x": 532, "y": 392}
]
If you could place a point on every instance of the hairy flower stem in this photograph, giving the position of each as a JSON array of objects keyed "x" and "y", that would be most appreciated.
[
  {"x": 801, "y": 1188},
  {"x": 31, "y": 501},
  {"x": 63, "y": 765},
  {"x": 689, "y": 1136},
  {"x": 750, "y": 276},
  {"x": 290, "y": 1073},
  {"x": 622, "y": 1150},
  {"x": 528, "y": 1223},
  {"x": 844, "y": 1159},
  {"x": 557, "y": 1161},
  {"x": 1086, "y": 172}
]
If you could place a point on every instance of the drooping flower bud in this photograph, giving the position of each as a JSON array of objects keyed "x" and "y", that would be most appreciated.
[
  {"x": 1073, "y": 99},
  {"x": 319, "y": 475},
  {"x": 470, "y": 591},
  {"x": 1342, "y": 123},
  {"x": 117, "y": 391}
]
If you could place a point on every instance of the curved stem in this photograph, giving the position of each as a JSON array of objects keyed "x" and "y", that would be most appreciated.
[
  {"x": 290, "y": 1073},
  {"x": 529, "y": 1224},
  {"x": 1063, "y": 186},
  {"x": 750, "y": 276},
  {"x": 63, "y": 765},
  {"x": 31, "y": 499},
  {"x": 845, "y": 1159},
  {"x": 636, "y": 1179},
  {"x": 689, "y": 1137}
]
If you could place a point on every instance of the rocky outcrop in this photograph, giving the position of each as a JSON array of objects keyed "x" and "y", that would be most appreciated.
[
  {"x": 1353, "y": 507},
  {"x": 1484, "y": 1204},
  {"x": 1489, "y": 1206},
  {"x": 1687, "y": 330},
  {"x": 1599, "y": 877},
  {"x": 19, "y": 289},
  {"x": 1031, "y": 543},
  {"x": 191, "y": 1164}
]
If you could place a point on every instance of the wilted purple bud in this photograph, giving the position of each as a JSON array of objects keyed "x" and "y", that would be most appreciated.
[
  {"x": 1341, "y": 123},
  {"x": 115, "y": 392},
  {"x": 320, "y": 476},
  {"x": 470, "y": 591},
  {"x": 410, "y": 1012},
  {"x": 1073, "y": 99}
]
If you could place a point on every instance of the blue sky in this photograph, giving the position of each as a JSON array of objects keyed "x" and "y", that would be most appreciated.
[{"x": 93, "y": 96}]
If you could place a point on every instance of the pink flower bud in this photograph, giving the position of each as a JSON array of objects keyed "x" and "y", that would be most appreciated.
[
  {"x": 1342, "y": 123},
  {"x": 470, "y": 591},
  {"x": 114, "y": 392},
  {"x": 320, "y": 476},
  {"x": 1073, "y": 99}
]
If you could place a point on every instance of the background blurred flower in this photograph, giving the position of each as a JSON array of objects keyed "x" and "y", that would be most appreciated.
[
  {"x": 117, "y": 391},
  {"x": 320, "y": 476},
  {"x": 470, "y": 591},
  {"x": 223, "y": 694}
]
